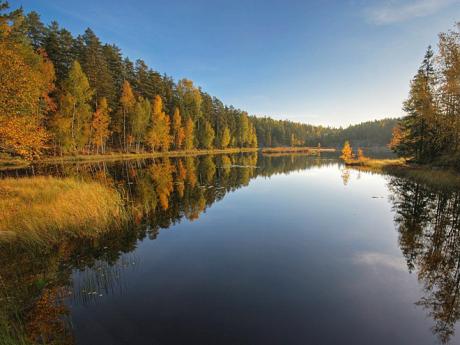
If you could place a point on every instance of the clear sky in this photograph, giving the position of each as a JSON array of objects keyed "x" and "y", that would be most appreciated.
[{"x": 330, "y": 62}]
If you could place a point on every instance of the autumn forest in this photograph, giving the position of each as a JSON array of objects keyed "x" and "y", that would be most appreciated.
[{"x": 63, "y": 95}]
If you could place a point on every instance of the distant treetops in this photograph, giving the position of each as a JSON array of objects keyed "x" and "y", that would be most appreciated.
[
  {"x": 430, "y": 132},
  {"x": 61, "y": 94}
]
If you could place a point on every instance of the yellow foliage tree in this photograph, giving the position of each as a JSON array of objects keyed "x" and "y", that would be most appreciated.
[
  {"x": 178, "y": 130},
  {"x": 189, "y": 134},
  {"x": 128, "y": 103},
  {"x": 347, "y": 152},
  {"x": 100, "y": 125},
  {"x": 158, "y": 137},
  {"x": 26, "y": 79},
  {"x": 225, "y": 138}
]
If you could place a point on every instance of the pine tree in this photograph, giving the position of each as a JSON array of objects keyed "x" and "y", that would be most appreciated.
[
  {"x": 96, "y": 68},
  {"x": 420, "y": 122}
]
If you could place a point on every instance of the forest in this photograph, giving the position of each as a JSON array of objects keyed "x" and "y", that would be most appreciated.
[
  {"x": 430, "y": 131},
  {"x": 63, "y": 95}
]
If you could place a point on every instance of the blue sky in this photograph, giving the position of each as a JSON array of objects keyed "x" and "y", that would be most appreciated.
[{"x": 321, "y": 62}]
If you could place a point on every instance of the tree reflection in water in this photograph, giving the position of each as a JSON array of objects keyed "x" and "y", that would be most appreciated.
[
  {"x": 35, "y": 283},
  {"x": 428, "y": 222}
]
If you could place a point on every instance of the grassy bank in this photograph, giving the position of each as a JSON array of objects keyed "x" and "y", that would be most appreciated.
[
  {"x": 377, "y": 164},
  {"x": 16, "y": 163},
  {"x": 309, "y": 150},
  {"x": 428, "y": 174},
  {"x": 45, "y": 209}
]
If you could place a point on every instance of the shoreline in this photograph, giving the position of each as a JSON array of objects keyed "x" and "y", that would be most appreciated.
[
  {"x": 12, "y": 163},
  {"x": 311, "y": 150},
  {"x": 20, "y": 163},
  {"x": 428, "y": 174}
]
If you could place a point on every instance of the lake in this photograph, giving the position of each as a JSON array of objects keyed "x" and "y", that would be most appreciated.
[{"x": 248, "y": 249}]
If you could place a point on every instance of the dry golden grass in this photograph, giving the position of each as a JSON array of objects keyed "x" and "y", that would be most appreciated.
[
  {"x": 433, "y": 176},
  {"x": 44, "y": 209},
  {"x": 376, "y": 163}
]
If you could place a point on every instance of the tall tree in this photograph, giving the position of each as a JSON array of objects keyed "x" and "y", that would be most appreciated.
[
  {"x": 128, "y": 103},
  {"x": 189, "y": 140},
  {"x": 177, "y": 130},
  {"x": 419, "y": 123},
  {"x": 96, "y": 68},
  {"x": 208, "y": 135},
  {"x": 100, "y": 125},
  {"x": 158, "y": 137},
  {"x": 449, "y": 87},
  {"x": 225, "y": 138},
  {"x": 140, "y": 121},
  {"x": 26, "y": 79},
  {"x": 72, "y": 123}
]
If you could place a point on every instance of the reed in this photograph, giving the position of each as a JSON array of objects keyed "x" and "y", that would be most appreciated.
[{"x": 46, "y": 209}]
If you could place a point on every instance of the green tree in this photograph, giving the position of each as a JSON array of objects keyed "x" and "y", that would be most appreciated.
[
  {"x": 208, "y": 136},
  {"x": 189, "y": 130},
  {"x": 140, "y": 121},
  {"x": 420, "y": 122},
  {"x": 225, "y": 138},
  {"x": 72, "y": 122}
]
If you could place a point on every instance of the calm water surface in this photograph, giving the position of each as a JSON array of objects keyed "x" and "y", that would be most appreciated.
[{"x": 251, "y": 249}]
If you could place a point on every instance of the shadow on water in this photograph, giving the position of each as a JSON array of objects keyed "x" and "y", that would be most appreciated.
[{"x": 38, "y": 285}]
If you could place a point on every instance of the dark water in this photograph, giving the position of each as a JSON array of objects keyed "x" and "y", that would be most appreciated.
[{"x": 251, "y": 249}]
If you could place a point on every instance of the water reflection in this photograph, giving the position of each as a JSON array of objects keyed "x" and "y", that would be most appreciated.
[
  {"x": 39, "y": 285},
  {"x": 35, "y": 282},
  {"x": 428, "y": 222}
]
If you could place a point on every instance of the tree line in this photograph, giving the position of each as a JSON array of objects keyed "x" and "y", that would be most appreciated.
[
  {"x": 61, "y": 94},
  {"x": 67, "y": 94},
  {"x": 430, "y": 131},
  {"x": 272, "y": 132}
]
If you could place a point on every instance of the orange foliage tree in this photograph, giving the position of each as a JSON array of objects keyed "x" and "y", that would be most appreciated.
[
  {"x": 26, "y": 79},
  {"x": 347, "y": 152},
  {"x": 178, "y": 130},
  {"x": 100, "y": 125},
  {"x": 158, "y": 137}
]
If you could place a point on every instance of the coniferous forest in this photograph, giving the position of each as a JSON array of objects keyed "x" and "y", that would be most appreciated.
[
  {"x": 430, "y": 131},
  {"x": 61, "y": 94}
]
